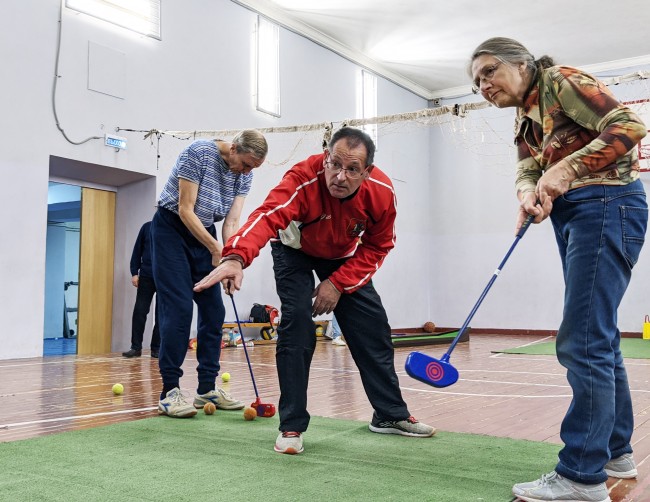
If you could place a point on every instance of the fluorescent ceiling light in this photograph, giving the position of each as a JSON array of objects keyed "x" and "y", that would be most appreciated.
[{"x": 141, "y": 16}]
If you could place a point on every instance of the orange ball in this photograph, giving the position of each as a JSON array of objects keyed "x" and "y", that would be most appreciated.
[
  {"x": 429, "y": 327},
  {"x": 209, "y": 408},
  {"x": 250, "y": 413}
]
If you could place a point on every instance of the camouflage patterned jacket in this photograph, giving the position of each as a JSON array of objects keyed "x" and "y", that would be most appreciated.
[{"x": 570, "y": 115}]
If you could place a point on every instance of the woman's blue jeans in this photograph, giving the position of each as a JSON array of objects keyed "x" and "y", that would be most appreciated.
[{"x": 600, "y": 231}]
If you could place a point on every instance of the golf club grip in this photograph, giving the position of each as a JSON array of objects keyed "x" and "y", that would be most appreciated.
[
  {"x": 461, "y": 331},
  {"x": 243, "y": 342},
  {"x": 525, "y": 225}
]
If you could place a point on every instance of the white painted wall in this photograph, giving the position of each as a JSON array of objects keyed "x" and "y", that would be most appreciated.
[
  {"x": 133, "y": 199},
  {"x": 198, "y": 77},
  {"x": 451, "y": 233},
  {"x": 474, "y": 228}
]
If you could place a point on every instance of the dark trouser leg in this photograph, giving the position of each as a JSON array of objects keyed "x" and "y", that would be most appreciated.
[
  {"x": 155, "y": 335},
  {"x": 294, "y": 280},
  {"x": 171, "y": 258},
  {"x": 363, "y": 319},
  {"x": 364, "y": 322},
  {"x": 143, "y": 297},
  {"x": 211, "y": 313}
]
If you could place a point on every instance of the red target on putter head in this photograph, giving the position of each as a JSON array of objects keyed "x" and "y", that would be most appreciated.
[
  {"x": 435, "y": 371},
  {"x": 427, "y": 369}
]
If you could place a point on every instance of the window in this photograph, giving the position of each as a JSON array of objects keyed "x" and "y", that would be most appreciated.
[
  {"x": 367, "y": 102},
  {"x": 268, "y": 67},
  {"x": 141, "y": 16}
]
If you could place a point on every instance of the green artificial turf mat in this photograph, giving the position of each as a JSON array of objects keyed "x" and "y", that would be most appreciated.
[
  {"x": 632, "y": 348},
  {"x": 223, "y": 457}
]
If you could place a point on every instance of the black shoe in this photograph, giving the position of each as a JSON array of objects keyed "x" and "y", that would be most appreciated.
[
  {"x": 154, "y": 353},
  {"x": 132, "y": 353}
]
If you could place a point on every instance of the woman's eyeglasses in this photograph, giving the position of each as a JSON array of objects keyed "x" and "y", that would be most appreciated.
[{"x": 486, "y": 75}]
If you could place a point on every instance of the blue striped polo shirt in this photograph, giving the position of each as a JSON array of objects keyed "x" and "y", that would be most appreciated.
[{"x": 202, "y": 164}]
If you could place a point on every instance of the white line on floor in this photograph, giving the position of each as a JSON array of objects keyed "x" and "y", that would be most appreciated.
[{"x": 78, "y": 417}]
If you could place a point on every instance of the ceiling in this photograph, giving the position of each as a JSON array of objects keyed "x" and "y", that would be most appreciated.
[{"x": 425, "y": 45}]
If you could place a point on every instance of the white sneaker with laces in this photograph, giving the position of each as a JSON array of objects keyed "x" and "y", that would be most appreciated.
[
  {"x": 175, "y": 405},
  {"x": 339, "y": 341},
  {"x": 289, "y": 442},
  {"x": 552, "y": 486},
  {"x": 220, "y": 398}
]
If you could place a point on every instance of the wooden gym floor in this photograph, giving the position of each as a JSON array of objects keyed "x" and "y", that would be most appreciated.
[{"x": 516, "y": 396}]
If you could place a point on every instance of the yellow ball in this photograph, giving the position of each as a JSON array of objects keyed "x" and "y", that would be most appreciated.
[
  {"x": 118, "y": 388},
  {"x": 250, "y": 413},
  {"x": 225, "y": 377}
]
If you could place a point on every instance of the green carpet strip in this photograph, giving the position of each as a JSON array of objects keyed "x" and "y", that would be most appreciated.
[
  {"x": 222, "y": 457},
  {"x": 632, "y": 348}
]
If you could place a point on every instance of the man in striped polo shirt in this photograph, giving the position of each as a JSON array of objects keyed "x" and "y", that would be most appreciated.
[{"x": 207, "y": 184}]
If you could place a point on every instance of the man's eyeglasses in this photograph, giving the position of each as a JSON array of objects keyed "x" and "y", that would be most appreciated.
[
  {"x": 485, "y": 75},
  {"x": 335, "y": 166}
]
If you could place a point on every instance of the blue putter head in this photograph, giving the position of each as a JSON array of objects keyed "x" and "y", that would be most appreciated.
[{"x": 435, "y": 372}]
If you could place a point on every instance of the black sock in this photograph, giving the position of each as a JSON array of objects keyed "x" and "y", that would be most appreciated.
[{"x": 205, "y": 387}]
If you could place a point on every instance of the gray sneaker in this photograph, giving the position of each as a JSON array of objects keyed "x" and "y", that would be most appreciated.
[
  {"x": 175, "y": 405},
  {"x": 552, "y": 486},
  {"x": 409, "y": 427},
  {"x": 220, "y": 398},
  {"x": 622, "y": 467}
]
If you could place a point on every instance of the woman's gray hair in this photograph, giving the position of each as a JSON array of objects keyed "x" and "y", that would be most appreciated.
[
  {"x": 510, "y": 51},
  {"x": 251, "y": 141}
]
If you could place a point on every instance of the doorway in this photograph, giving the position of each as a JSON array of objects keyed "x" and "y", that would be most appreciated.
[
  {"x": 62, "y": 269},
  {"x": 114, "y": 204}
]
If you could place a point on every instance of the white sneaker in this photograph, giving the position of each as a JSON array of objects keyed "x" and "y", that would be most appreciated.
[
  {"x": 175, "y": 405},
  {"x": 552, "y": 486},
  {"x": 220, "y": 398},
  {"x": 622, "y": 467},
  {"x": 289, "y": 442},
  {"x": 339, "y": 341}
]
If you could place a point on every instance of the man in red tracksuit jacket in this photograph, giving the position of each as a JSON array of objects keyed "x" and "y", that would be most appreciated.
[{"x": 333, "y": 214}]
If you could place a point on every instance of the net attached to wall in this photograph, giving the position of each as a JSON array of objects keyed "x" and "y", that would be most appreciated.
[{"x": 474, "y": 128}]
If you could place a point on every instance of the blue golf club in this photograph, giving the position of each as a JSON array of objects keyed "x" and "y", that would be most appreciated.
[{"x": 440, "y": 372}]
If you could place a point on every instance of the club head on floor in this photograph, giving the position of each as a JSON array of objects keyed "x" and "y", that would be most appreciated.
[
  {"x": 435, "y": 372},
  {"x": 266, "y": 410}
]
